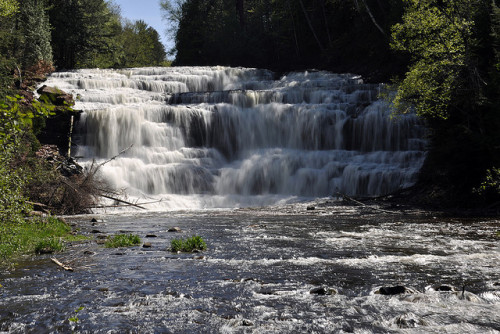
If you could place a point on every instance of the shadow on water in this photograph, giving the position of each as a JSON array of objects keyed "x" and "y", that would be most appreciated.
[{"x": 268, "y": 270}]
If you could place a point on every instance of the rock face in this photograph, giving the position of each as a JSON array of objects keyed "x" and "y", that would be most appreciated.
[{"x": 58, "y": 127}]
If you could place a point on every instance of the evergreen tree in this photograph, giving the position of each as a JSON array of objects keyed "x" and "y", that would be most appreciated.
[{"x": 34, "y": 24}]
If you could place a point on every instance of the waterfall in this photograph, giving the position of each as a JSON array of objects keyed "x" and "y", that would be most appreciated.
[{"x": 226, "y": 137}]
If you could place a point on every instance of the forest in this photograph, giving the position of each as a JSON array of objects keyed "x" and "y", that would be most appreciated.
[{"x": 441, "y": 58}]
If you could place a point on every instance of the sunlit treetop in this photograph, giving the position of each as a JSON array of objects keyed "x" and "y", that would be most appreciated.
[{"x": 8, "y": 8}]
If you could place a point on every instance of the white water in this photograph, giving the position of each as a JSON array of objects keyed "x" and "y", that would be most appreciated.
[{"x": 228, "y": 137}]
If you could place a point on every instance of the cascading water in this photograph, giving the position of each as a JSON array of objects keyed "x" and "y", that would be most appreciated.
[{"x": 224, "y": 137}]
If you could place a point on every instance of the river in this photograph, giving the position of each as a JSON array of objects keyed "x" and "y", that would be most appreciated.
[{"x": 260, "y": 272}]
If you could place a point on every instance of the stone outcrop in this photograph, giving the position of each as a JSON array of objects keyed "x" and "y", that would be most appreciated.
[{"x": 58, "y": 127}]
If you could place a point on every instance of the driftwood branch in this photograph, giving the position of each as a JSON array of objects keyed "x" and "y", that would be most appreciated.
[
  {"x": 122, "y": 201},
  {"x": 365, "y": 205},
  {"x": 60, "y": 264},
  {"x": 125, "y": 205},
  {"x": 116, "y": 156}
]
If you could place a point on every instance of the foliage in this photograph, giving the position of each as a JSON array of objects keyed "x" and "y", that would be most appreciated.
[
  {"x": 437, "y": 38},
  {"x": 8, "y": 7},
  {"x": 490, "y": 187},
  {"x": 284, "y": 34},
  {"x": 36, "y": 31},
  {"x": 453, "y": 82},
  {"x": 122, "y": 240},
  {"x": 141, "y": 45},
  {"x": 49, "y": 246},
  {"x": 75, "y": 318},
  {"x": 188, "y": 245},
  {"x": 31, "y": 235}
]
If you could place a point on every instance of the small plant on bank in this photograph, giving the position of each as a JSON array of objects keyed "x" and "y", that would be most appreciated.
[
  {"x": 195, "y": 243},
  {"x": 122, "y": 240},
  {"x": 49, "y": 246}
]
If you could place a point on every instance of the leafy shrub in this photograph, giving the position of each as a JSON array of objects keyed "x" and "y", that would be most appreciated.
[
  {"x": 122, "y": 240},
  {"x": 490, "y": 187},
  {"x": 188, "y": 245}
]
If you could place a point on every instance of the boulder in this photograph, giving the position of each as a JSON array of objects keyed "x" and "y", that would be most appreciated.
[
  {"x": 175, "y": 229},
  {"x": 56, "y": 96}
]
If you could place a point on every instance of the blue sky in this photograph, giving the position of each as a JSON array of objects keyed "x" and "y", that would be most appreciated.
[{"x": 149, "y": 12}]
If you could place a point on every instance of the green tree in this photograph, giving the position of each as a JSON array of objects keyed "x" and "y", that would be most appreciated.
[
  {"x": 141, "y": 45},
  {"x": 35, "y": 27},
  {"x": 83, "y": 31},
  {"x": 453, "y": 83}
]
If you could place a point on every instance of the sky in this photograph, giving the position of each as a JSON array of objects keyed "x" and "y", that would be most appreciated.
[{"x": 149, "y": 12}]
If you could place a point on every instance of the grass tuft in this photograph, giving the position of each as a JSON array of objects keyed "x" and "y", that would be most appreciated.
[
  {"x": 122, "y": 240},
  {"x": 195, "y": 243}
]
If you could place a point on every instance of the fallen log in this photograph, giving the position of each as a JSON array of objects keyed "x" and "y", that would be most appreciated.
[
  {"x": 365, "y": 205},
  {"x": 60, "y": 264}
]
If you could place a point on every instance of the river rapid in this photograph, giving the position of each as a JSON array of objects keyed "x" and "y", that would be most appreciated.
[{"x": 284, "y": 269}]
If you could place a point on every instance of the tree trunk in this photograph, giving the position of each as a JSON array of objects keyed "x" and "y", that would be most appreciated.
[
  {"x": 240, "y": 9},
  {"x": 373, "y": 18},
  {"x": 311, "y": 26}
]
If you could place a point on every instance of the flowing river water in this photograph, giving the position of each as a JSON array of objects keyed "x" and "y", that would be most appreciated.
[
  {"x": 271, "y": 270},
  {"x": 250, "y": 162}
]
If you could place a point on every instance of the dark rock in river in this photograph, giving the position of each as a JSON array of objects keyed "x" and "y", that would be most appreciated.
[
  {"x": 322, "y": 291},
  {"x": 394, "y": 290},
  {"x": 409, "y": 320},
  {"x": 310, "y": 208},
  {"x": 175, "y": 229},
  {"x": 151, "y": 236}
]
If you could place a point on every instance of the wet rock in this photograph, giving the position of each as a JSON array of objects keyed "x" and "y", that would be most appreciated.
[
  {"x": 394, "y": 290},
  {"x": 119, "y": 253},
  {"x": 102, "y": 236},
  {"x": 147, "y": 245},
  {"x": 444, "y": 288},
  {"x": 95, "y": 231},
  {"x": 267, "y": 292},
  {"x": 310, "y": 208},
  {"x": 89, "y": 253},
  {"x": 103, "y": 289},
  {"x": 93, "y": 220},
  {"x": 199, "y": 257},
  {"x": 409, "y": 320},
  {"x": 100, "y": 241},
  {"x": 175, "y": 229},
  {"x": 246, "y": 323},
  {"x": 322, "y": 291},
  {"x": 151, "y": 236}
]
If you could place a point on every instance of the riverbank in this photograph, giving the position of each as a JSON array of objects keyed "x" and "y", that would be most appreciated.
[{"x": 33, "y": 236}]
